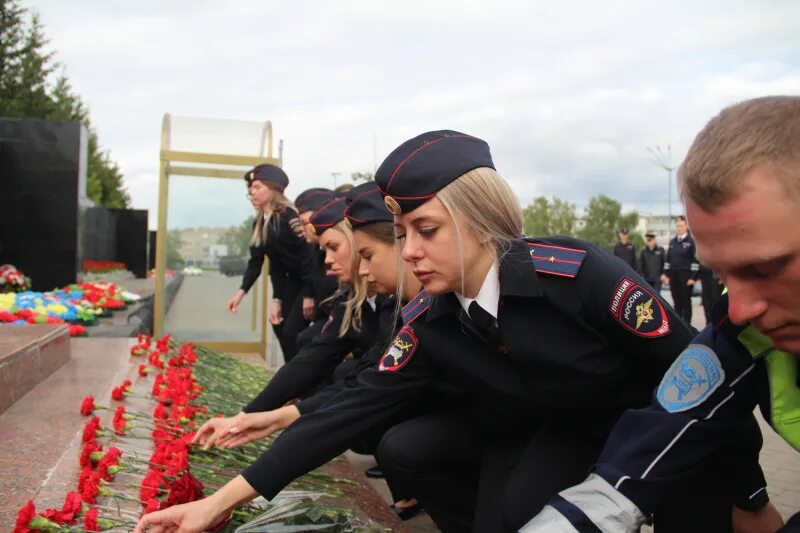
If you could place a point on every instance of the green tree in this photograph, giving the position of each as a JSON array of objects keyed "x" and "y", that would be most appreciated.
[
  {"x": 604, "y": 218},
  {"x": 365, "y": 176},
  {"x": 545, "y": 217},
  {"x": 237, "y": 238},
  {"x": 26, "y": 69},
  {"x": 174, "y": 242}
]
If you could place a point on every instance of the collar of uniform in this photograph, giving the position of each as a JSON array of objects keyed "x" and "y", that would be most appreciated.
[
  {"x": 517, "y": 278},
  {"x": 518, "y": 275},
  {"x": 371, "y": 301},
  {"x": 489, "y": 294}
]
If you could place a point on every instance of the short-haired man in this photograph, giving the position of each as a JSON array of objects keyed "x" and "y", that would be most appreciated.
[
  {"x": 741, "y": 185},
  {"x": 624, "y": 249},
  {"x": 651, "y": 262}
]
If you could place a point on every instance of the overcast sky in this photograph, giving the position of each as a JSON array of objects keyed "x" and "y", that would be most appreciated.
[{"x": 569, "y": 95}]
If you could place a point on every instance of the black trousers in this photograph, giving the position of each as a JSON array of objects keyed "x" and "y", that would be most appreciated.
[
  {"x": 469, "y": 483},
  {"x": 656, "y": 285},
  {"x": 293, "y": 321},
  {"x": 681, "y": 293}
]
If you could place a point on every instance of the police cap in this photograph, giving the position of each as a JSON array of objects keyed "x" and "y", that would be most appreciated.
[
  {"x": 328, "y": 215},
  {"x": 271, "y": 174},
  {"x": 419, "y": 168},
  {"x": 313, "y": 199},
  {"x": 366, "y": 206}
]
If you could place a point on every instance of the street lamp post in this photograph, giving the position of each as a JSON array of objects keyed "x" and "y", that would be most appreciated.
[
  {"x": 664, "y": 160},
  {"x": 335, "y": 175}
]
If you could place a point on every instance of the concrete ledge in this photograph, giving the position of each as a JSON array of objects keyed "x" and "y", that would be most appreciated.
[{"x": 28, "y": 355}]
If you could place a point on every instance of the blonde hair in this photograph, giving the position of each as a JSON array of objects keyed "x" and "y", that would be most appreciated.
[
  {"x": 358, "y": 286},
  {"x": 488, "y": 205},
  {"x": 761, "y": 131},
  {"x": 264, "y": 217}
]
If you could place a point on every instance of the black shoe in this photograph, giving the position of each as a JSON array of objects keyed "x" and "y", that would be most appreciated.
[
  {"x": 376, "y": 472},
  {"x": 406, "y": 513}
]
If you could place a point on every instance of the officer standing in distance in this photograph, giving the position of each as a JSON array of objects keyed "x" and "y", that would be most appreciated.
[
  {"x": 651, "y": 262},
  {"x": 624, "y": 249},
  {"x": 680, "y": 269}
]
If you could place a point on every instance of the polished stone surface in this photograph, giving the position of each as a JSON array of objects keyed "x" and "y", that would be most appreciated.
[{"x": 28, "y": 355}]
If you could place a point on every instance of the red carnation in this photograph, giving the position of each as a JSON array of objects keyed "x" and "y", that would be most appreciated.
[
  {"x": 90, "y": 430},
  {"x": 186, "y": 488},
  {"x": 110, "y": 459},
  {"x": 151, "y": 484},
  {"x": 24, "y": 517},
  {"x": 87, "y": 406},
  {"x": 151, "y": 506},
  {"x": 73, "y": 506},
  {"x": 86, "y": 454},
  {"x": 143, "y": 370},
  {"x": 119, "y": 420},
  {"x": 117, "y": 394},
  {"x": 89, "y": 485},
  {"x": 90, "y": 520}
]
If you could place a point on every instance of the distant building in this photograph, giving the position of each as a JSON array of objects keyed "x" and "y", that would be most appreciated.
[{"x": 199, "y": 246}]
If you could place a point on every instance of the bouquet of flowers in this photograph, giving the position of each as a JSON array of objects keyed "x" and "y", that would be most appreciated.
[{"x": 12, "y": 280}]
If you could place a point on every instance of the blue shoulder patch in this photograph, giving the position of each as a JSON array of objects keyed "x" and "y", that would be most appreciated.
[
  {"x": 416, "y": 307},
  {"x": 556, "y": 260},
  {"x": 691, "y": 379}
]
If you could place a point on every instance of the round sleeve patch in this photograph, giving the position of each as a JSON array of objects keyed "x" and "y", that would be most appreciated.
[
  {"x": 639, "y": 310},
  {"x": 399, "y": 352},
  {"x": 691, "y": 379}
]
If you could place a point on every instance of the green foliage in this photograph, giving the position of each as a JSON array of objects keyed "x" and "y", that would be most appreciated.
[
  {"x": 365, "y": 176},
  {"x": 238, "y": 238},
  {"x": 174, "y": 242},
  {"x": 603, "y": 219},
  {"x": 544, "y": 218},
  {"x": 25, "y": 91}
]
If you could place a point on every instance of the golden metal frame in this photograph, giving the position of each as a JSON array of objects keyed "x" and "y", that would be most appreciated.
[{"x": 167, "y": 157}]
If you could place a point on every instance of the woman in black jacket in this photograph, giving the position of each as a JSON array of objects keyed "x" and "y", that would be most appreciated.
[{"x": 278, "y": 234}]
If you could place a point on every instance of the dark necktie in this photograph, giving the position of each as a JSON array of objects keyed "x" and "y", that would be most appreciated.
[{"x": 484, "y": 322}]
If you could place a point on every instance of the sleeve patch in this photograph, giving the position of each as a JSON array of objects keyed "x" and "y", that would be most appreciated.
[
  {"x": 556, "y": 260},
  {"x": 691, "y": 379},
  {"x": 296, "y": 226},
  {"x": 399, "y": 352},
  {"x": 638, "y": 310}
]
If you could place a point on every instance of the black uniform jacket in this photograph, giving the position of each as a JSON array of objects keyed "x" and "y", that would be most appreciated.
[
  {"x": 681, "y": 256},
  {"x": 289, "y": 258},
  {"x": 651, "y": 263},
  {"x": 581, "y": 338},
  {"x": 313, "y": 366},
  {"x": 385, "y": 308}
]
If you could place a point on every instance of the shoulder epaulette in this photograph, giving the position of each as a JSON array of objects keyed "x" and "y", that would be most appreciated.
[
  {"x": 416, "y": 307},
  {"x": 556, "y": 260}
]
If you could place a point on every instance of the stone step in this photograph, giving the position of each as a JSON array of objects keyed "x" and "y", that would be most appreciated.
[{"x": 28, "y": 355}]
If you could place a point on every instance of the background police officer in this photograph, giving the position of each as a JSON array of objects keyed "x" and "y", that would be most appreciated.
[
  {"x": 651, "y": 262},
  {"x": 625, "y": 249},
  {"x": 681, "y": 269}
]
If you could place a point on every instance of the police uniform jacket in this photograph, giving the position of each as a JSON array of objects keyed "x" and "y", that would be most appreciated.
[
  {"x": 314, "y": 363},
  {"x": 681, "y": 256},
  {"x": 385, "y": 309},
  {"x": 581, "y": 338},
  {"x": 627, "y": 253},
  {"x": 703, "y": 407},
  {"x": 651, "y": 263},
  {"x": 289, "y": 259}
]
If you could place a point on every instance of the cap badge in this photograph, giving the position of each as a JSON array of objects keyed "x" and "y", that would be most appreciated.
[{"x": 392, "y": 205}]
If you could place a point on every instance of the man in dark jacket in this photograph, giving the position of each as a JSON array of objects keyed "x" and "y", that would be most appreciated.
[
  {"x": 651, "y": 262},
  {"x": 625, "y": 249}
]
